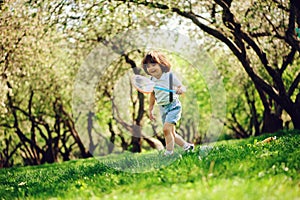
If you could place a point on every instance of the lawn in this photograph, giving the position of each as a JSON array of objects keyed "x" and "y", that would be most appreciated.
[{"x": 235, "y": 169}]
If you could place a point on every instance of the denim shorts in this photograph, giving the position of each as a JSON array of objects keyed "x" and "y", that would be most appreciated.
[{"x": 171, "y": 112}]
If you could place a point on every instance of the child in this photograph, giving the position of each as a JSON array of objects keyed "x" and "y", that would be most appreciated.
[{"x": 156, "y": 65}]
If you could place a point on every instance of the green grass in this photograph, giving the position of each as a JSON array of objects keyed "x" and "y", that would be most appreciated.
[{"x": 237, "y": 169}]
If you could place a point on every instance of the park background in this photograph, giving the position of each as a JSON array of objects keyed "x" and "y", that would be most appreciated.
[{"x": 254, "y": 46}]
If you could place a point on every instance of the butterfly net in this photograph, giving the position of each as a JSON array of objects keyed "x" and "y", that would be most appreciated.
[{"x": 142, "y": 84}]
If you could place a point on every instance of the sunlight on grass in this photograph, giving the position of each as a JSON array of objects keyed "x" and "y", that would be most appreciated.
[{"x": 228, "y": 170}]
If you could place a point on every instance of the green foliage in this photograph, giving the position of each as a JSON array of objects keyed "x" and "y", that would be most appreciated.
[
  {"x": 44, "y": 43},
  {"x": 196, "y": 102},
  {"x": 231, "y": 170},
  {"x": 37, "y": 67},
  {"x": 236, "y": 85}
]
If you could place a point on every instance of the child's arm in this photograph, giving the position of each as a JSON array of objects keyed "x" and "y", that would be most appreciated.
[
  {"x": 151, "y": 106},
  {"x": 179, "y": 88}
]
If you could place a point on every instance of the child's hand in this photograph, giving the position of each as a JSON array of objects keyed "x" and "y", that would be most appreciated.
[
  {"x": 180, "y": 90},
  {"x": 151, "y": 116}
]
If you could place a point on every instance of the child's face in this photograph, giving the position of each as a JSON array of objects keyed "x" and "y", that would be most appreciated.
[{"x": 154, "y": 70}]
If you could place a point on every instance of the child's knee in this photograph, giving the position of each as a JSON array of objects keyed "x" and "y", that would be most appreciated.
[{"x": 167, "y": 129}]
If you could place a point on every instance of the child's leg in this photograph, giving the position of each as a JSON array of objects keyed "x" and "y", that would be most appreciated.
[
  {"x": 181, "y": 142},
  {"x": 169, "y": 136}
]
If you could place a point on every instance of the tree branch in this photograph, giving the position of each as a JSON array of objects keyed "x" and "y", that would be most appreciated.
[
  {"x": 290, "y": 36},
  {"x": 294, "y": 85}
]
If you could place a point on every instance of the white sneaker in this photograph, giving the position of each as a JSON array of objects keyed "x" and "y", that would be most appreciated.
[
  {"x": 168, "y": 153},
  {"x": 189, "y": 147}
]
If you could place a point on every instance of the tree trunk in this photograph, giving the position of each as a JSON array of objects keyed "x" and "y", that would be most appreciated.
[
  {"x": 271, "y": 123},
  {"x": 296, "y": 121},
  {"x": 136, "y": 139},
  {"x": 295, "y": 113}
]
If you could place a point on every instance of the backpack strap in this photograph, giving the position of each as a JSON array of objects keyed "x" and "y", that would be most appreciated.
[
  {"x": 171, "y": 87},
  {"x": 151, "y": 78}
]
